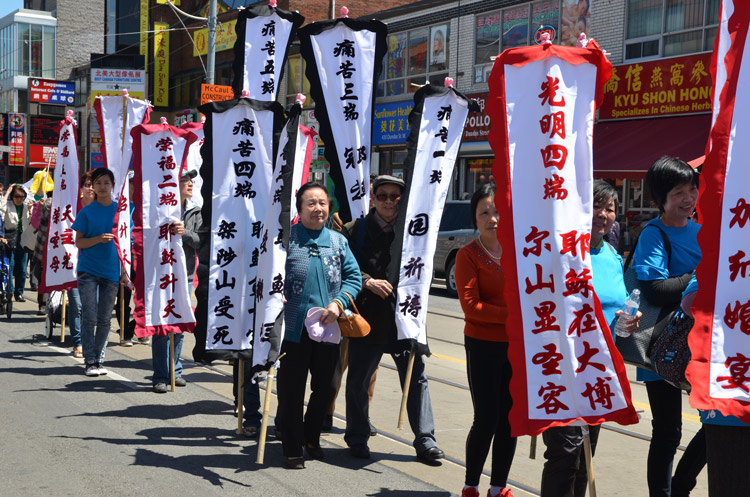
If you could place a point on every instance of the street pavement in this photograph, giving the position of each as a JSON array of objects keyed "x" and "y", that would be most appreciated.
[{"x": 67, "y": 434}]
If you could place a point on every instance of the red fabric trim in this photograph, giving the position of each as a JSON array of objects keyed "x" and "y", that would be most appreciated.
[
  {"x": 98, "y": 109},
  {"x": 498, "y": 138},
  {"x": 710, "y": 204},
  {"x": 136, "y": 229}
]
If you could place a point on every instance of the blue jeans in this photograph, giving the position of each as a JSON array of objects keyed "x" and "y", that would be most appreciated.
[
  {"x": 251, "y": 399},
  {"x": 74, "y": 316},
  {"x": 18, "y": 260},
  {"x": 97, "y": 301},
  {"x": 160, "y": 357}
]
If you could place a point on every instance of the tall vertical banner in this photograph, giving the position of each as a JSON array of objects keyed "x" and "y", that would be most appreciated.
[
  {"x": 194, "y": 159},
  {"x": 238, "y": 154},
  {"x": 437, "y": 125},
  {"x": 344, "y": 58},
  {"x": 161, "y": 64},
  {"x": 301, "y": 173},
  {"x": 264, "y": 34},
  {"x": 117, "y": 115},
  {"x": 720, "y": 339},
  {"x": 162, "y": 294},
  {"x": 565, "y": 365},
  {"x": 60, "y": 251},
  {"x": 143, "y": 22}
]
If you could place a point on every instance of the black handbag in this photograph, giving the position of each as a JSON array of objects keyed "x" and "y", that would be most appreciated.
[
  {"x": 12, "y": 237},
  {"x": 636, "y": 348},
  {"x": 670, "y": 353}
]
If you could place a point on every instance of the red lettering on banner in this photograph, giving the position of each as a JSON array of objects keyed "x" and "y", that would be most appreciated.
[
  {"x": 550, "y": 394},
  {"x": 737, "y": 265},
  {"x": 741, "y": 213},
  {"x": 164, "y": 144},
  {"x": 585, "y": 359},
  {"x": 166, "y": 162},
  {"x": 549, "y": 92},
  {"x": 125, "y": 256},
  {"x": 164, "y": 232},
  {"x": 66, "y": 262},
  {"x": 550, "y": 360},
  {"x": 56, "y": 216},
  {"x": 578, "y": 283},
  {"x": 55, "y": 265},
  {"x": 65, "y": 135},
  {"x": 67, "y": 237},
  {"x": 554, "y": 156},
  {"x": 123, "y": 230},
  {"x": 571, "y": 243},
  {"x": 539, "y": 285},
  {"x": 65, "y": 152},
  {"x": 554, "y": 124},
  {"x": 167, "y": 280},
  {"x": 68, "y": 213},
  {"x": 55, "y": 240},
  {"x": 168, "y": 181},
  {"x": 537, "y": 237},
  {"x": 583, "y": 321},
  {"x": 122, "y": 204},
  {"x": 553, "y": 188},
  {"x": 599, "y": 393},
  {"x": 167, "y": 257},
  {"x": 169, "y": 309},
  {"x": 547, "y": 321},
  {"x": 738, "y": 367},
  {"x": 740, "y": 314},
  {"x": 63, "y": 185},
  {"x": 168, "y": 199}
]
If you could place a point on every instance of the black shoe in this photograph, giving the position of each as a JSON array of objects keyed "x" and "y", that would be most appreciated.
[
  {"x": 180, "y": 381},
  {"x": 295, "y": 462},
  {"x": 327, "y": 424},
  {"x": 315, "y": 452},
  {"x": 360, "y": 451},
  {"x": 373, "y": 431},
  {"x": 431, "y": 456},
  {"x": 42, "y": 310},
  {"x": 160, "y": 388},
  {"x": 19, "y": 298}
]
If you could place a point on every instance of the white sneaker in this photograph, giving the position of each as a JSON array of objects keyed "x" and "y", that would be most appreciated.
[
  {"x": 126, "y": 343},
  {"x": 101, "y": 369},
  {"x": 92, "y": 370}
]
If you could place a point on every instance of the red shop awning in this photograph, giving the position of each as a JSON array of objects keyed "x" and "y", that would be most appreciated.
[{"x": 626, "y": 149}]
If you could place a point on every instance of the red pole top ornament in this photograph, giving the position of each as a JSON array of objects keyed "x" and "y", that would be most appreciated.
[
  {"x": 449, "y": 82},
  {"x": 163, "y": 120},
  {"x": 300, "y": 99},
  {"x": 344, "y": 12},
  {"x": 69, "y": 117},
  {"x": 546, "y": 39},
  {"x": 245, "y": 94},
  {"x": 582, "y": 41},
  {"x": 124, "y": 92},
  {"x": 272, "y": 4}
]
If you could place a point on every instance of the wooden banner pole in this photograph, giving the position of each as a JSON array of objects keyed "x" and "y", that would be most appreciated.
[
  {"x": 171, "y": 359},
  {"x": 123, "y": 324},
  {"x": 240, "y": 394},
  {"x": 266, "y": 409},
  {"x": 62, "y": 319},
  {"x": 405, "y": 391},
  {"x": 589, "y": 460},
  {"x": 532, "y": 447}
]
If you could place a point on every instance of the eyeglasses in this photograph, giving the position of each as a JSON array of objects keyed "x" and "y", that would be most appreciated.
[
  {"x": 19, "y": 197},
  {"x": 382, "y": 197}
]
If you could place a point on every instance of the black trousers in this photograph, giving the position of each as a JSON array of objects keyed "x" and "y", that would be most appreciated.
[
  {"x": 727, "y": 453},
  {"x": 666, "y": 431},
  {"x": 564, "y": 473},
  {"x": 321, "y": 360},
  {"x": 488, "y": 370}
]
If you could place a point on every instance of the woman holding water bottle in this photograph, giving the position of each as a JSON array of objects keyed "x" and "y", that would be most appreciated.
[
  {"x": 664, "y": 271},
  {"x": 564, "y": 473}
]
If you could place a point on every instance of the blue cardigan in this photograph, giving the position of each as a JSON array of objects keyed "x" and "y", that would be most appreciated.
[{"x": 320, "y": 267}]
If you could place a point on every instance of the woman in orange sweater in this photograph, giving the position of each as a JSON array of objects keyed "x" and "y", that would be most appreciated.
[{"x": 480, "y": 281}]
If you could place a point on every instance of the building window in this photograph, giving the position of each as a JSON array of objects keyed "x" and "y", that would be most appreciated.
[
  {"x": 517, "y": 27},
  {"x": 296, "y": 81},
  {"x": 413, "y": 58},
  {"x": 666, "y": 28},
  {"x": 35, "y": 50}
]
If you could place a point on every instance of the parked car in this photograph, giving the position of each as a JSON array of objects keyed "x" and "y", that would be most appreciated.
[{"x": 455, "y": 232}]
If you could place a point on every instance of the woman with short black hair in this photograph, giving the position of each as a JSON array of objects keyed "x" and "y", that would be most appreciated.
[
  {"x": 16, "y": 217},
  {"x": 664, "y": 271}
]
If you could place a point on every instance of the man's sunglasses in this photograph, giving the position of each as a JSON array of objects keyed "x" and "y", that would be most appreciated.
[{"x": 383, "y": 197}]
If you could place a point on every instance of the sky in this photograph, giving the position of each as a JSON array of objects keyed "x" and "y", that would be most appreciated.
[{"x": 8, "y": 6}]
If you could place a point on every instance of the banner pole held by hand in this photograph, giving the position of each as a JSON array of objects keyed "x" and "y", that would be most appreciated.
[{"x": 405, "y": 390}]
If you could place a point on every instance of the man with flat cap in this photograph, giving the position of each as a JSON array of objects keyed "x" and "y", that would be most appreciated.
[{"x": 370, "y": 240}]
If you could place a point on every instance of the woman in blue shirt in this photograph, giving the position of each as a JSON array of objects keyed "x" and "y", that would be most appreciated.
[
  {"x": 320, "y": 268},
  {"x": 98, "y": 270},
  {"x": 664, "y": 273}
]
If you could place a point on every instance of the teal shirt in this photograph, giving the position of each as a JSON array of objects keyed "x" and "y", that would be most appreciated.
[
  {"x": 101, "y": 259},
  {"x": 316, "y": 280},
  {"x": 609, "y": 285}
]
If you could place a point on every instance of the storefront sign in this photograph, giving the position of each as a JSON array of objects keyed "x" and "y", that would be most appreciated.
[
  {"x": 161, "y": 64},
  {"x": 111, "y": 82},
  {"x": 225, "y": 38},
  {"x": 42, "y": 130},
  {"x": 16, "y": 129},
  {"x": 50, "y": 91},
  {"x": 478, "y": 123},
  {"x": 41, "y": 155},
  {"x": 679, "y": 85},
  {"x": 216, "y": 93},
  {"x": 391, "y": 126}
]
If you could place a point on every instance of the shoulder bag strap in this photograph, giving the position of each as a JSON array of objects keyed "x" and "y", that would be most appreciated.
[{"x": 667, "y": 247}]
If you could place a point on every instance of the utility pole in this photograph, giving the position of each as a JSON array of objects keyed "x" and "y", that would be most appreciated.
[{"x": 211, "y": 58}]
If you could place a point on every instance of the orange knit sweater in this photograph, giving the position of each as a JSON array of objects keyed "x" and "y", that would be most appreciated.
[{"x": 480, "y": 283}]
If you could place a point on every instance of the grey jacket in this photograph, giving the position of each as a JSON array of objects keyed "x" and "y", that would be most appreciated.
[{"x": 192, "y": 220}]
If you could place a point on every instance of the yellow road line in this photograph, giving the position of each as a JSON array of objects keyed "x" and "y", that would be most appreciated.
[{"x": 449, "y": 358}]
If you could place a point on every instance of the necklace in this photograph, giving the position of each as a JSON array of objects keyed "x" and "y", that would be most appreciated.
[{"x": 495, "y": 257}]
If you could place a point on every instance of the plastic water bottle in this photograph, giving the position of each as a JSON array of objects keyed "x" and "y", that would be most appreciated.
[{"x": 629, "y": 309}]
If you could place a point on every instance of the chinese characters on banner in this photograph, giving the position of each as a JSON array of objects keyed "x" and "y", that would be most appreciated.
[
  {"x": 437, "y": 124},
  {"x": 194, "y": 159},
  {"x": 719, "y": 370},
  {"x": 238, "y": 168},
  {"x": 60, "y": 251},
  {"x": 162, "y": 296},
  {"x": 565, "y": 366},
  {"x": 264, "y": 34},
  {"x": 118, "y": 151},
  {"x": 344, "y": 58}
]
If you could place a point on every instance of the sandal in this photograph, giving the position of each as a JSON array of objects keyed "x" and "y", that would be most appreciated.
[
  {"x": 295, "y": 462},
  {"x": 78, "y": 353}
]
